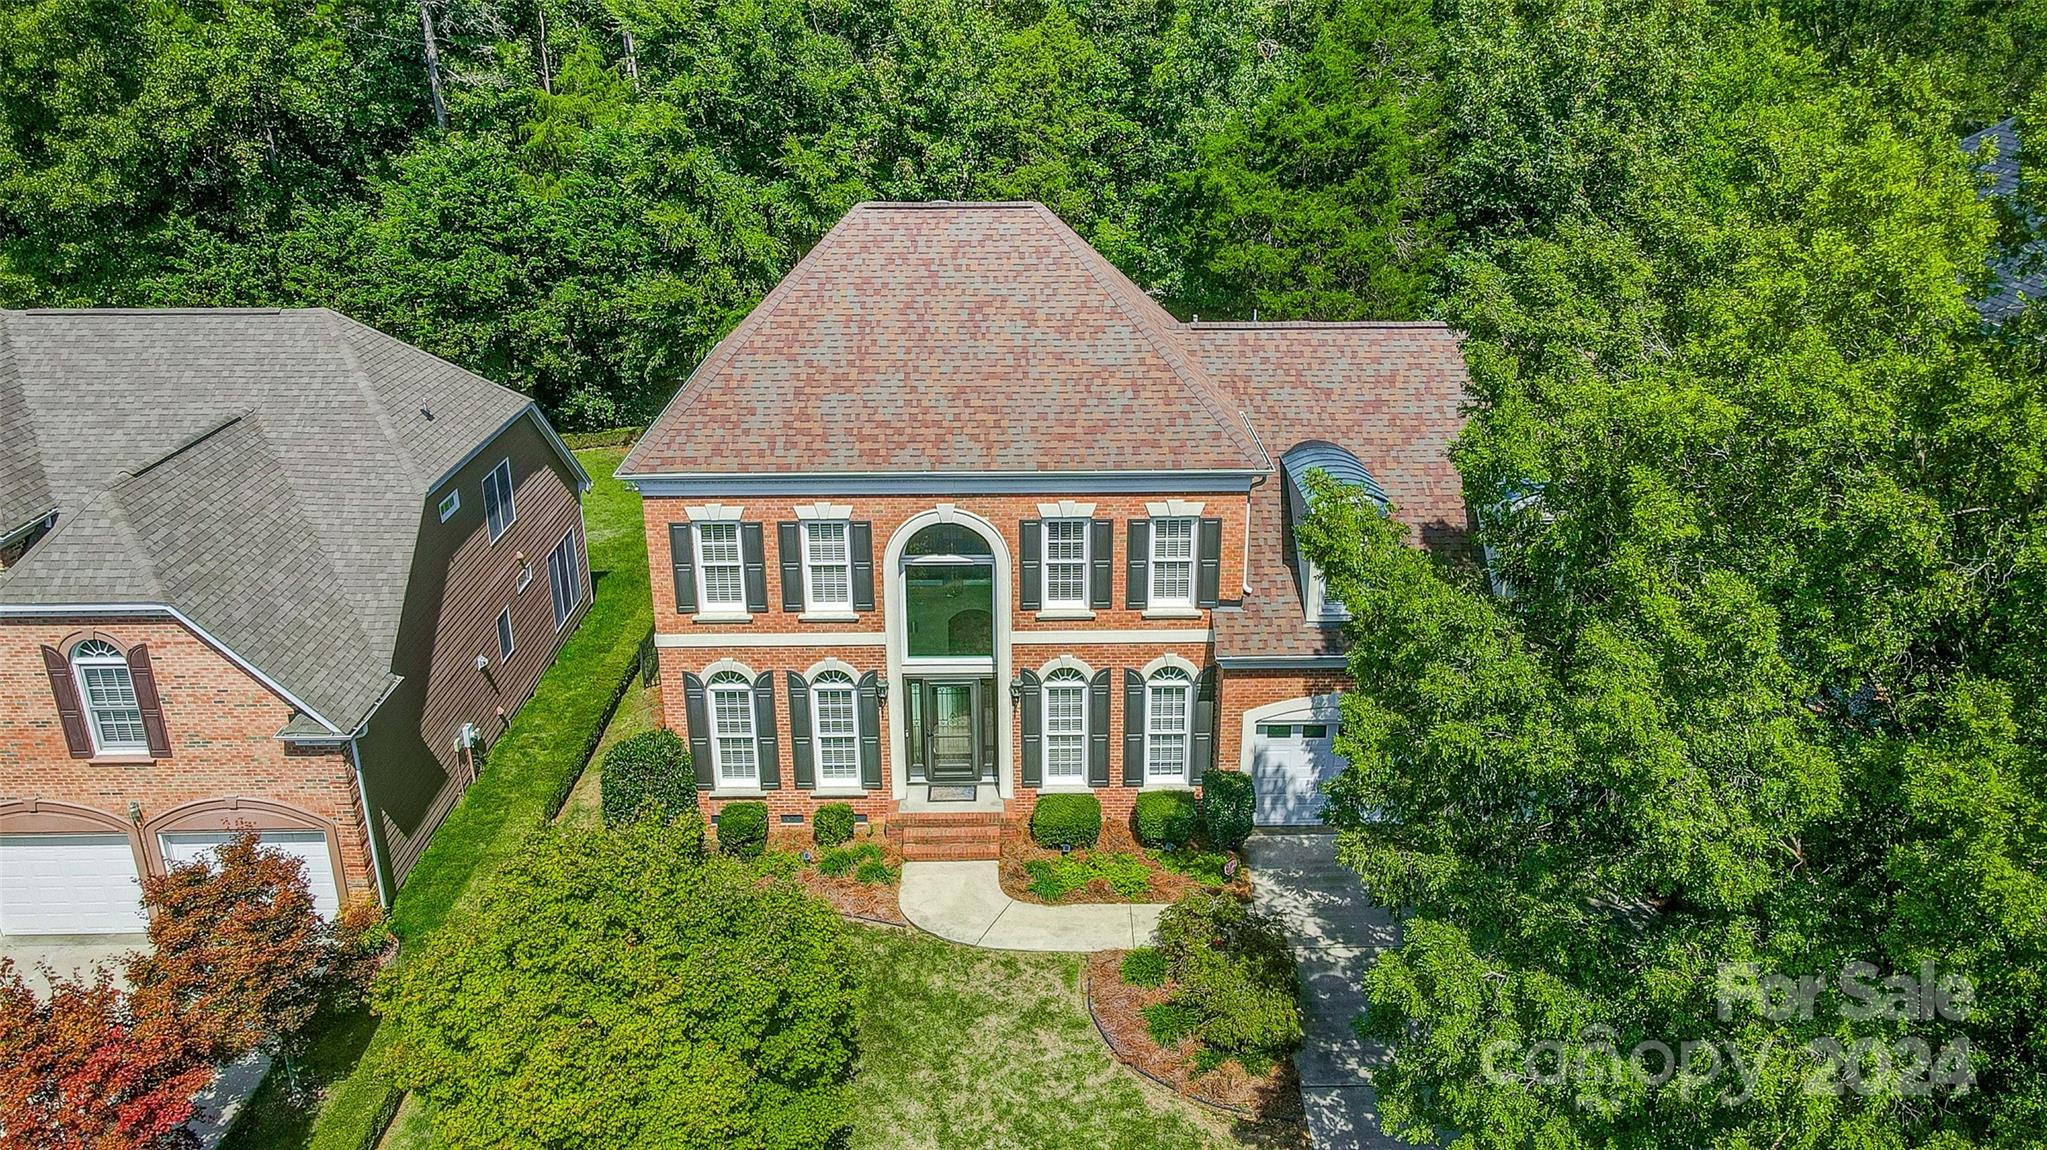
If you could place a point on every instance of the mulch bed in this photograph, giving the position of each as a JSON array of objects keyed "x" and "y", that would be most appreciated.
[
  {"x": 1019, "y": 849},
  {"x": 865, "y": 902},
  {"x": 1269, "y": 1103}
]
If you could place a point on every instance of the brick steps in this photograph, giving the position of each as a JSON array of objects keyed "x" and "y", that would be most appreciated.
[{"x": 929, "y": 837}]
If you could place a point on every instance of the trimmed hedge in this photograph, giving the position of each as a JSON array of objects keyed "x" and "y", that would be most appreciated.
[
  {"x": 1067, "y": 820},
  {"x": 1233, "y": 972},
  {"x": 743, "y": 829},
  {"x": 648, "y": 772},
  {"x": 1166, "y": 818},
  {"x": 1227, "y": 804},
  {"x": 832, "y": 824}
]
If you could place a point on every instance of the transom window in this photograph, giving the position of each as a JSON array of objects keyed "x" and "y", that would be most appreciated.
[
  {"x": 108, "y": 692},
  {"x": 720, "y": 582},
  {"x": 1065, "y": 726},
  {"x": 1172, "y": 562},
  {"x": 732, "y": 733},
  {"x": 1066, "y": 562},
  {"x": 834, "y": 718},
  {"x": 498, "y": 511},
  {"x": 827, "y": 565},
  {"x": 949, "y": 593},
  {"x": 1167, "y": 720}
]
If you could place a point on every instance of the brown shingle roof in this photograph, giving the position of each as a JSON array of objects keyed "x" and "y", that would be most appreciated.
[{"x": 950, "y": 338}]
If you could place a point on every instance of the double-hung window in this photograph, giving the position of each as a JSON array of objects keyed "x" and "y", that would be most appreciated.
[
  {"x": 721, "y": 585},
  {"x": 1167, "y": 721},
  {"x": 1065, "y": 727},
  {"x": 506, "y": 642},
  {"x": 1066, "y": 563},
  {"x": 498, "y": 511},
  {"x": 565, "y": 579},
  {"x": 827, "y": 565},
  {"x": 108, "y": 692},
  {"x": 732, "y": 733},
  {"x": 1172, "y": 562},
  {"x": 836, "y": 724}
]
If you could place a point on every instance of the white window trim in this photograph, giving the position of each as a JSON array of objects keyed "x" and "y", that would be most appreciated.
[
  {"x": 824, "y": 511},
  {"x": 1175, "y": 509},
  {"x": 1066, "y": 509},
  {"x": 1321, "y": 608},
  {"x": 722, "y": 611},
  {"x": 1045, "y": 687},
  {"x": 711, "y": 691},
  {"x": 1170, "y": 608},
  {"x": 838, "y": 609},
  {"x": 1186, "y": 731},
  {"x": 450, "y": 504},
  {"x": 1066, "y": 608},
  {"x": 100, "y": 745},
  {"x": 507, "y": 633},
  {"x": 577, "y": 563},
  {"x": 817, "y": 735},
  {"x": 511, "y": 505}
]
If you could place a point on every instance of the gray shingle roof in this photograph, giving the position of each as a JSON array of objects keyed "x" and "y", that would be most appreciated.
[
  {"x": 2020, "y": 277},
  {"x": 262, "y": 472}
]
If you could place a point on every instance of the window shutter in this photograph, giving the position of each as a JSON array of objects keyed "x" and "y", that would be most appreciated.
[
  {"x": 1137, "y": 578},
  {"x": 868, "y": 694},
  {"x": 70, "y": 715},
  {"x": 1201, "y": 746},
  {"x": 789, "y": 541},
  {"x": 1101, "y": 560},
  {"x": 1208, "y": 571},
  {"x": 1133, "y": 728},
  {"x": 696, "y": 713},
  {"x": 682, "y": 556},
  {"x": 1098, "y": 730},
  {"x": 766, "y": 745},
  {"x": 802, "y": 745},
  {"x": 860, "y": 541},
  {"x": 756, "y": 567},
  {"x": 1032, "y": 711},
  {"x": 1031, "y": 552},
  {"x": 143, "y": 674}
]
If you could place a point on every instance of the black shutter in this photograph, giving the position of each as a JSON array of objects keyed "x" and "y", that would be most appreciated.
[
  {"x": 143, "y": 675},
  {"x": 697, "y": 714},
  {"x": 750, "y": 554},
  {"x": 1032, "y": 711},
  {"x": 70, "y": 714},
  {"x": 1137, "y": 580},
  {"x": 861, "y": 543},
  {"x": 789, "y": 541},
  {"x": 1101, "y": 561},
  {"x": 1202, "y": 744},
  {"x": 1133, "y": 728},
  {"x": 1208, "y": 569},
  {"x": 1031, "y": 552},
  {"x": 802, "y": 750},
  {"x": 767, "y": 746},
  {"x": 868, "y": 694},
  {"x": 682, "y": 556},
  {"x": 1098, "y": 730}
]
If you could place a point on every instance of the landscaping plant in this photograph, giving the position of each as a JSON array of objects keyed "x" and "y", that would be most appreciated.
[
  {"x": 1227, "y": 803},
  {"x": 647, "y": 773},
  {"x": 864, "y": 861},
  {"x": 1145, "y": 966},
  {"x": 743, "y": 829},
  {"x": 1067, "y": 820},
  {"x": 832, "y": 824},
  {"x": 1054, "y": 879},
  {"x": 1166, "y": 819},
  {"x": 1232, "y": 977}
]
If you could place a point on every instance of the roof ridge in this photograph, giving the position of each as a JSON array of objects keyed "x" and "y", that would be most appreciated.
[
  {"x": 187, "y": 445},
  {"x": 361, "y": 378},
  {"x": 1309, "y": 324}
]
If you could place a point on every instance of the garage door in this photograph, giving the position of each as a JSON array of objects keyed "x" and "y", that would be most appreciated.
[
  {"x": 309, "y": 847},
  {"x": 69, "y": 884},
  {"x": 1289, "y": 764}
]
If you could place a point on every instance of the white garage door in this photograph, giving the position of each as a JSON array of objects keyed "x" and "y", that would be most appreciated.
[
  {"x": 310, "y": 847},
  {"x": 1289, "y": 763},
  {"x": 69, "y": 884}
]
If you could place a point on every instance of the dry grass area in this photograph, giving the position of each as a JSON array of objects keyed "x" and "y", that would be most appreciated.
[
  {"x": 872, "y": 901},
  {"x": 1162, "y": 883}
]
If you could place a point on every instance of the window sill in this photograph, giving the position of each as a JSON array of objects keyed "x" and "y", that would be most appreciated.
[
  {"x": 1066, "y": 789},
  {"x": 840, "y": 792},
  {"x": 1172, "y": 613},
  {"x": 829, "y": 615},
  {"x": 721, "y": 617},
  {"x": 142, "y": 760},
  {"x": 1065, "y": 613},
  {"x": 1167, "y": 785},
  {"x": 739, "y": 793}
]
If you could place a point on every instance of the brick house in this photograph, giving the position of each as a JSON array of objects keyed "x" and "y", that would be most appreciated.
[
  {"x": 264, "y": 569},
  {"x": 958, "y": 516}
]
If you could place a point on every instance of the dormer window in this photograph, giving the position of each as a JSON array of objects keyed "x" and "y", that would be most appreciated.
[{"x": 1341, "y": 466}]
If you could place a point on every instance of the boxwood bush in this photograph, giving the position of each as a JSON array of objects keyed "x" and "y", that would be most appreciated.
[
  {"x": 1226, "y": 808},
  {"x": 832, "y": 824},
  {"x": 1067, "y": 820},
  {"x": 743, "y": 829},
  {"x": 647, "y": 773},
  {"x": 1166, "y": 818}
]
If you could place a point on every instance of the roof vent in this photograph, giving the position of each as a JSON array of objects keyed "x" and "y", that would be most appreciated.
[{"x": 427, "y": 411}]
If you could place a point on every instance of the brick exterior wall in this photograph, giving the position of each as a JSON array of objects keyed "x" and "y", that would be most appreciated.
[{"x": 222, "y": 724}]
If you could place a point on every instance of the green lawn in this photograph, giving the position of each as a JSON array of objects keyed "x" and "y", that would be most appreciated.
[{"x": 530, "y": 767}]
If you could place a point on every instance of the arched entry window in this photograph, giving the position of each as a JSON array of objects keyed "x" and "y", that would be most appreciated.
[{"x": 949, "y": 593}]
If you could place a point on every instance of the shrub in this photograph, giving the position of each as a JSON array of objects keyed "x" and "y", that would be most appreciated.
[
  {"x": 1231, "y": 968},
  {"x": 864, "y": 861},
  {"x": 1054, "y": 879},
  {"x": 649, "y": 771},
  {"x": 875, "y": 872},
  {"x": 1227, "y": 803},
  {"x": 1169, "y": 1022},
  {"x": 743, "y": 829},
  {"x": 1166, "y": 818},
  {"x": 1067, "y": 820},
  {"x": 832, "y": 824},
  {"x": 1145, "y": 967}
]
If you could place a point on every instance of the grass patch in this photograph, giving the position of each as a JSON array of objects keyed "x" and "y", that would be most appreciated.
[
  {"x": 1204, "y": 866},
  {"x": 1053, "y": 879},
  {"x": 635, "y": 715}
]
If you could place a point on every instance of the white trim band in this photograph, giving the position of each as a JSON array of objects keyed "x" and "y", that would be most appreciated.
[
  {"x": 1129, "y": 635},
  {"x": 700, "y": 639}
]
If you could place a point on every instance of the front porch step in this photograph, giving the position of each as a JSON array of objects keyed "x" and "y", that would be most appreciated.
[
  {"x": 933, "y": 837},
  {"x": 951, "y": 852}
]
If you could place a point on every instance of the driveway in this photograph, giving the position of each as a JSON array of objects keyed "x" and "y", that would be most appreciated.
[{"x": 1336, "y": 932}]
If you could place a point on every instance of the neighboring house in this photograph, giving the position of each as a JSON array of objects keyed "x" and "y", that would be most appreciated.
[
  {"x": 2017, "y": 278},
  {"x": 958, "y": 513},
  {"x": 266, "y": 569}
]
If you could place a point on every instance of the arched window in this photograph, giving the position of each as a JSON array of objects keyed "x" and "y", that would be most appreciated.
[
  {"x": 1065, "y": 727},
  {"x": 1168, "y": 711},
  {"x": 836, "y": 727},
  {"x": 732, "y": 735},
  {"x": 107, "y": 689},
  {"x": 949, "y": 593}
]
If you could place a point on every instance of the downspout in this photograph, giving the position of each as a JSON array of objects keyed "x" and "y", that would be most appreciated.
[
  {"x": 1256, "y": 483},
  {"x": 369, "y": 832}
]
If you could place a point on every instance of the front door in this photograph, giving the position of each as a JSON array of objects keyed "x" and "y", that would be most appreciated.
[{"x": 948, "y": 730}]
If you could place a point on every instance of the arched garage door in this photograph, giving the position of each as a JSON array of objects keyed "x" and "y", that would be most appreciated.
[
  {"x": 309, "y": 847},
  {"x": 1290, "y": 753},
  {"x": 69, "y": 884}
]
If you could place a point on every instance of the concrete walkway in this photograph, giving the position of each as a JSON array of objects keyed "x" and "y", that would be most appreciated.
[
  {"x": 1336, "y": 933},
  {"x": 964, "y": 902}
]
